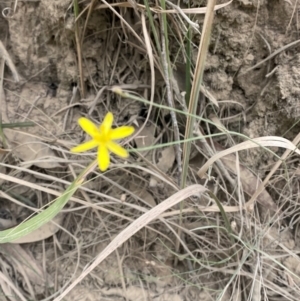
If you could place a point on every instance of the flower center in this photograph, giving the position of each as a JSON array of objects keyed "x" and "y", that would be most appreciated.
[{"x": 101, "y": 138}]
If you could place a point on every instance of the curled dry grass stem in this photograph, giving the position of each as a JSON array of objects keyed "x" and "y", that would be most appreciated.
[
  {"x": 262, "y": 186},
  {"x": 256, "y": 142}
]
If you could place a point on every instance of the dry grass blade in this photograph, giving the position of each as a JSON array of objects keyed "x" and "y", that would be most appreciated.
[
  {"x": 199, "y": 69},
  {"x": 257, "y": 142},
  {"x": 90, "y": 9},
  {"x": 110, "y": 6},
  {"x": 78, "y": 40},
  {"x": 212, "y": 208},
  {"x": 27, "y": 265},
  {"x": 2, "y": 98},
  {"x": 4, "y": 54},
  {"x": 272, "y": 55},
  {"x": 11, "y": 286},
  {"x": 201, "y": 10},
  {"x": 209, "y": 96},
  {"x": 151, "y": 62},
  {"x": 194, "y": 95},
  {"x": 134, "y": 227}
]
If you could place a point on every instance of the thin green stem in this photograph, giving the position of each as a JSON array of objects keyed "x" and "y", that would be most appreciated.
[
  {"x": 188, "y": 64},
  {"x": 151, "y": 21}
]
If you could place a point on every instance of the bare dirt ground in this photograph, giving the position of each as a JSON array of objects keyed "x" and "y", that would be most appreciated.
[{"x": 252, "y": 70}]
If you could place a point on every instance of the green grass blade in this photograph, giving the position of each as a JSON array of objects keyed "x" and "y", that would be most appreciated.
[
  {"x": 46, "y": 215},
  {"x": 17, "y": 125},
  {"x": 40, "y": 219}
]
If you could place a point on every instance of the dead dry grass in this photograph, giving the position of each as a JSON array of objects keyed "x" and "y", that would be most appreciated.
[{"x": 122, "y": 235}]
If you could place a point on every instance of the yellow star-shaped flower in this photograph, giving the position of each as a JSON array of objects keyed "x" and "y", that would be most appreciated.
[{"x": 103, "y": 137}]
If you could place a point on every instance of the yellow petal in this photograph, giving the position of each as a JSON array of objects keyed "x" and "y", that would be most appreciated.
[
  {"x": 117, "y": 149},
  {"x": 84, "y": 146},
  {"x": 103, "y": 157},
  {"x": 88, "y": 126},
  {"x": 107, "y": 123},
  {"x": 121, "y": 132}
]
